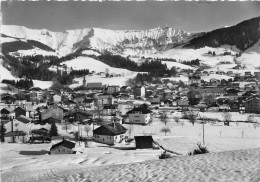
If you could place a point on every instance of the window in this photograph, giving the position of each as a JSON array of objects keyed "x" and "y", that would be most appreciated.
[
  {"x": 63, "y": 150},
  {"x": 16, "y": 124}
]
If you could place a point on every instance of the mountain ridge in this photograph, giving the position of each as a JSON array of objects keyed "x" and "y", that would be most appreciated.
[{"x": 114, "y": 41}]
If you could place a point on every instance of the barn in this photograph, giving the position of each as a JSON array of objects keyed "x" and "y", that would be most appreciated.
[
  {"x": 63, "y": 147},
  {"x": 143, "y": 142}
]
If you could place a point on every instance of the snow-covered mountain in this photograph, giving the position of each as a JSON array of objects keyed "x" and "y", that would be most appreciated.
[{"x": 127, "y": 42}]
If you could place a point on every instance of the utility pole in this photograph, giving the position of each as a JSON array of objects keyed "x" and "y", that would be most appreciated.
[{"x": 203, "y": 132}]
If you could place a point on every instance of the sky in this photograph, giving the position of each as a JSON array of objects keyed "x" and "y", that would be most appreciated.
[{"x": 188, "y": 16}]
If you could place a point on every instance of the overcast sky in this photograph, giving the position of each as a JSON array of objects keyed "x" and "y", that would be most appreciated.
[{"x": 189, "y": 16}]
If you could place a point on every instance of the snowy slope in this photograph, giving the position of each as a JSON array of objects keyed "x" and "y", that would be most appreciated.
[
  {"x": 42, "y": 84},
  {"x": 90, "y": 52},
  {"x": 5, "y": 73},
  {"x": 32, "y": 52},
  {"x": 93, "y": 65},
  {"x": 177, "y": 65},
  {"x": 251, "y": 59}
]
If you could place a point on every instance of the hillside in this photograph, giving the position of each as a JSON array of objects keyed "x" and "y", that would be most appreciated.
[{"x": 243, "y": 36}]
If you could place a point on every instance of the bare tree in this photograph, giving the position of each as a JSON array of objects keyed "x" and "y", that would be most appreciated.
[
  {"x": 130, "y": 129},
  {"x": 66, "y": 126},
  {"x": 192, "y": 117},
  {"x": 87, "y": 128},
  {"x": 164, "y": 118},
  {"x": 227, "y": 116},
  {"x": 176, "y": 119},
  {"x": 165, "y": 130}
]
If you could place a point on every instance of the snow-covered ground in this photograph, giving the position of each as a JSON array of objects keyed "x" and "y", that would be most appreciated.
[
  {"x": 185, "y": 79},
  {"x": 42, "y": 84},
  {"x": 250, "y": 58},
  {"x": 177, "y": 65},
  {"x": 120, "y": 81},
  {"x": 98, "y": 159},
  {"x": 93, "y": 65},
  {"x": 90, "y": 52},
  {"x": 240, "y": 166},
  {"x": 5, "y": 73},
  {"x": 33, "y": 52}
]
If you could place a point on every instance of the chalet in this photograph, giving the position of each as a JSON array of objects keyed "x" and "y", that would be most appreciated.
[
  {"x": 21, "y": 123},
  {"x": 19, "y": 127},
  {"x": 248, "y": 74},
  {"x": 212, "y": 90},
  {"x": 7, "y": 113},
  {"x": 117, "y": 119},
  {"x": 139, "y": 115},
  {"x": 20, "y": 102},
  {"x": 139, "y": 91},
  {"x": 19, "y": 111},
  {"x": 8, "y": 99},
  {"x": 109, "y": 134},
  {"x": 195, "y": 79},
  {"x": 224, "y": 107},
  {"x": 103, "y": 99},
  {"x": 214, "y": 81},
  {"x": 143, "y": 142},
  {"x": 113, "y": 89},
  {"x": 205, "y": 72},
  {"x": 183, "y": 103},
  {"x": 168, "y": 102},
  {"x": 123, "y": 96},
  {"x": 125, "y": 89},
  {"x": 232, "y": 92},
  {"x": 88, "y": 102},
  {"x": 252, "y": 105},
  {"x": 155, "y": 100},
  {"x": 229, "y": 73},
  {"x": 102, "y": 74},
  {"x": 54, "y": 112},
  {"x": 63, "y": 147},
  {"x": 109, "y": 109},
  {"x": 70, "y": 104}
]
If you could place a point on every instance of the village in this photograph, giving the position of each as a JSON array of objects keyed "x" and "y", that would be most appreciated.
[{"x": 145, "y": 116}]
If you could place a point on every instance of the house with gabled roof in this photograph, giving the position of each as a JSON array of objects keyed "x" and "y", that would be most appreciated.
[
  {"x": 7, "y": 113},
  {"x": 109, "y": 133},
  {"x": 20, "y": 111},
  {"x": 63, "y": 147},
  {"x": 21, "y": 124},
  {"x": 139, "y": 115}
]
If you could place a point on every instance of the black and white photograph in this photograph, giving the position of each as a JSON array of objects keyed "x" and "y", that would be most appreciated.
[{"x": 130, "y": 91}]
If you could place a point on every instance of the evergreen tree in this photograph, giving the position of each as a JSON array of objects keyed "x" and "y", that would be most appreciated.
[
  {"x": 3, "y": 130},
  {"x": 53, "y": 130}
]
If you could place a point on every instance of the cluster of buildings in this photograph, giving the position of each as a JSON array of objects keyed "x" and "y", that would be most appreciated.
[{"x": 112, "y": 105}]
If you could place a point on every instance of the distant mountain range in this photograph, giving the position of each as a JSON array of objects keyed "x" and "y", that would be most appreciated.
[
  {"x": 103, "y": 40},
  {"x": 127, "y": 42}
]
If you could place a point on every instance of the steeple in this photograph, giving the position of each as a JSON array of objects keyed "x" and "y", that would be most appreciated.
[{"x": 84, "y": 81}]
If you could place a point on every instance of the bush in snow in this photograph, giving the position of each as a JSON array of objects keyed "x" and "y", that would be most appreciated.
[{"x": 200, "y": 150}]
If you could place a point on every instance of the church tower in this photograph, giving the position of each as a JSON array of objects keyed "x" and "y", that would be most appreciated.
[{"x": 84, "y": 81}]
